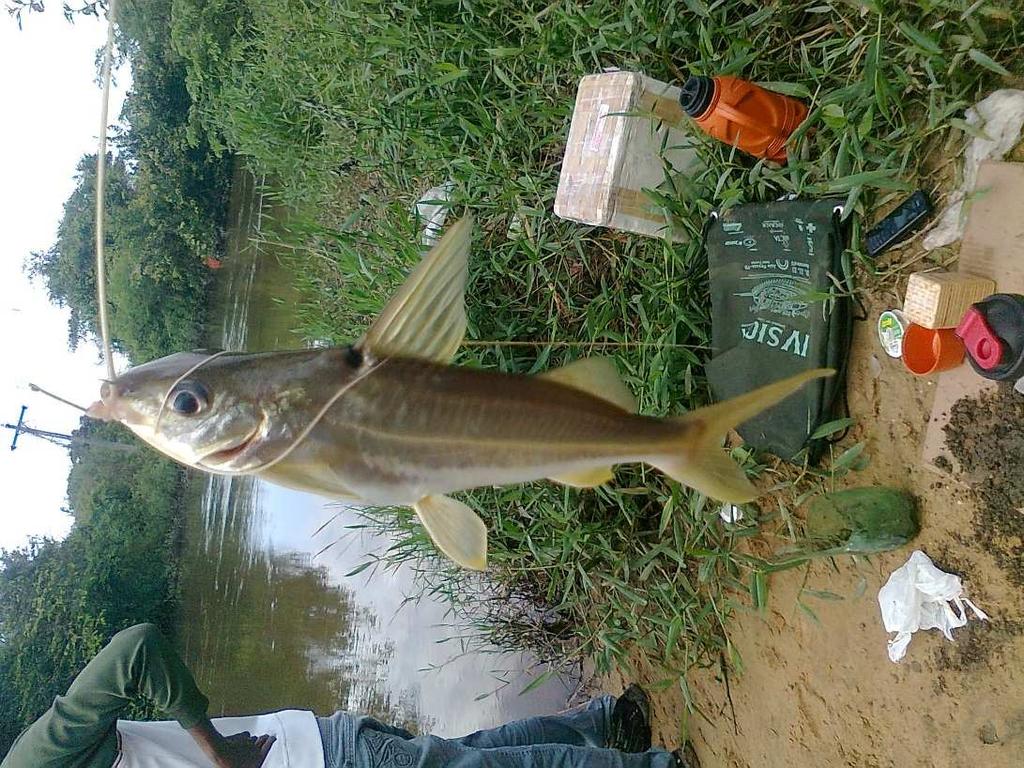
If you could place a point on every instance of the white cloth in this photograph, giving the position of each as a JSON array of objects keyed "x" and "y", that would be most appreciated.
[{"x": 165, "y": 744}]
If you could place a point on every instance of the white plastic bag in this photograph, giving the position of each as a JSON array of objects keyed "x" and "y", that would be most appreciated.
[
  {"x": 1000, "y": 116},
  {"x": 432, "y": 210},
  {"x": 919, "y": 596}
]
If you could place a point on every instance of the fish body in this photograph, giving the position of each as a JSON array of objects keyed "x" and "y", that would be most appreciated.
[
  {"x": 387, "y": 421},
  {"x": 412, "y": 428}
]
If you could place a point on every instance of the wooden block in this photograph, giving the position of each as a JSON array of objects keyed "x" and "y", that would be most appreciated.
[
  {"x": 625, "y": 128},
  {"x": 941, "y": 299}
]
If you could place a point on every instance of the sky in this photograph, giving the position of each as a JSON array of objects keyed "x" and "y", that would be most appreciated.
[{"x": 51, "y": 118}]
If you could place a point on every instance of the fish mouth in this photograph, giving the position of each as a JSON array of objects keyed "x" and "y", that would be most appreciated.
[{"x": 226, "y": 456}]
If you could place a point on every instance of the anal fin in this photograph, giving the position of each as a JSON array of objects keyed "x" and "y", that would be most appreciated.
[
  {"x": 456, "y": 529},
  {"x": 588, "y": 478},
  {"x": 710, "y": 471}
]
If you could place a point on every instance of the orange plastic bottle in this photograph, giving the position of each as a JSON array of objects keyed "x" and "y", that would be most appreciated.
[{"x": 743, "y": 114}]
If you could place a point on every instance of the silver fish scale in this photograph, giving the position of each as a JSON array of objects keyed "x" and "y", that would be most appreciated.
[{"x": 452, "y": 429}]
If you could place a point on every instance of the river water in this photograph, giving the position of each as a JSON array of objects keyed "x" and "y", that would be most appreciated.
[{"x": 269, "y": 620}]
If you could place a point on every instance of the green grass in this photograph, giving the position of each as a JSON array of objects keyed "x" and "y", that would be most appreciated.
[{"x": 355, "y": 111}]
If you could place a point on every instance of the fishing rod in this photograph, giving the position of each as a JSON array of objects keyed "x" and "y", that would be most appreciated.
[{"x": 101, "y": 169}]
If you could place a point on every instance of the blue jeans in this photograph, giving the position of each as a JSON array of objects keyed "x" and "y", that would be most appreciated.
[{"x": 574, "y": 739}]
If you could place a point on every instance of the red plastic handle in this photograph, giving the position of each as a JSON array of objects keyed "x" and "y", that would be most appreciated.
[
  {"x": 735, "y": 116},
  {"x": 984, "y": 347}
]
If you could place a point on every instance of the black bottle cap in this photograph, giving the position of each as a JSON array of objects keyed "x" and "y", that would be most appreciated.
[{"x": 696, "y": 94}]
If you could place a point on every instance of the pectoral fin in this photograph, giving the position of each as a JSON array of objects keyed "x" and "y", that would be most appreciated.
[
  {"x": 590, "y": 478},
  {"x": 456, "y": 529},
  {"x": 596, "y": 376},
  {"x": 427, "y": 317}
]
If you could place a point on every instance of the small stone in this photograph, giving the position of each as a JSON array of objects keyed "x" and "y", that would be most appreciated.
[{"x": 987, "y": 734}]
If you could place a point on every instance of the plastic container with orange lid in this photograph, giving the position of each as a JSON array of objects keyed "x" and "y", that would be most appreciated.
[{"x": 738, "y": 112}]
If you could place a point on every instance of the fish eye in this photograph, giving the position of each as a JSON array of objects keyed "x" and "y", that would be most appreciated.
[{"x": 189, "y": 398}]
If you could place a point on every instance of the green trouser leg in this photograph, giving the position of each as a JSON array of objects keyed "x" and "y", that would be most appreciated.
[{"x": 79, "y": 730}]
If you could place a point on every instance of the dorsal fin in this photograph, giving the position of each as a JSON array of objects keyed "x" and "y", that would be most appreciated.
[
  {"x": 426, "y": 318},
  {"x": 596, "y": 376}
]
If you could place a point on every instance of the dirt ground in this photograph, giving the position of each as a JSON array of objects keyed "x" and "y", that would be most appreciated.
[{"x": 825, "y": 693}]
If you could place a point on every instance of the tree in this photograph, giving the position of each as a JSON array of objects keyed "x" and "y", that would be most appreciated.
[
  {"x": 166, "y": 199},
  {"x": 68, "y": 267}
]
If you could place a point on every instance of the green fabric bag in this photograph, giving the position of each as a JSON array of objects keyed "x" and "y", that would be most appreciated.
[{"x": 779, "y": 306}]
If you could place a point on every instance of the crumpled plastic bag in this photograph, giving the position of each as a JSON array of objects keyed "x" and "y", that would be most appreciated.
[
  {"x": 432, "y": 210},
  {"x": 1000, "y": 116},
  {"x": 920, "y": 596}
]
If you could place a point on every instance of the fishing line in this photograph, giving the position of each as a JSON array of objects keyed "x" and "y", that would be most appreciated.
[
  {"x": 574, "y": 344},
  {"x": 348, "y": 385},
  {"x": 337, "y": 395},
  {"x": 101, "y": 163},
  {"x": 298, "y": 439},
  {"x": 309, "y": 427}
]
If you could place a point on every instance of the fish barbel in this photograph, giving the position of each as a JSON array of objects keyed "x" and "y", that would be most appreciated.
[{"x": 387, "y": 421}]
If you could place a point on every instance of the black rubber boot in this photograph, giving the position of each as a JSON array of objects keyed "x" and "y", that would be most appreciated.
[{"x": 631, "y": 721}]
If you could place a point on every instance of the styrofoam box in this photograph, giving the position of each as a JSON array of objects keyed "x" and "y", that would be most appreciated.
[{"x": 625, "y": 127}]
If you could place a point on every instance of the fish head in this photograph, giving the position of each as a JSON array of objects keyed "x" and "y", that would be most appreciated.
[{"x": 229, "y": 413}]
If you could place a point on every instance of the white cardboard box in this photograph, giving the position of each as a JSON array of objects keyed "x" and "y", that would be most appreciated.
[{"x": 611, "y": 157}]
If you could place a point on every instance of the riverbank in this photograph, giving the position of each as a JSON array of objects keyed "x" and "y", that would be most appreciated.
[
  {"x": 483, "y": 99},
  {"x": 357, "y": 109}
]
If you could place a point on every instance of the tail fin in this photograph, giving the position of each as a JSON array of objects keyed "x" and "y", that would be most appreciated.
[{"x": 702, "y": 464}]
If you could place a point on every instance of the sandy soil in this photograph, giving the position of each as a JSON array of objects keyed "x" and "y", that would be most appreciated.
[{"x": 825, "y": 693}]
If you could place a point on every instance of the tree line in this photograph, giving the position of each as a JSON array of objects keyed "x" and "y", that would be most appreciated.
[
  {"x": 166, "y": 198},
  {"x": 60, "y": 601}
]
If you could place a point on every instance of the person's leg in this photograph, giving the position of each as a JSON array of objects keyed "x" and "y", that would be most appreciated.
[
  {"x": 442, "y": 755},
  {"x": 583, "y": 727},
  {"x": 375, "y": 749},
  {"x": 340, "y": 734}
]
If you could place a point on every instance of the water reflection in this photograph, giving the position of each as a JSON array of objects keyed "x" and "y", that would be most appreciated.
[
  {"x": 268, "y": 623},
  {"x": 248, "y": 604}
]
